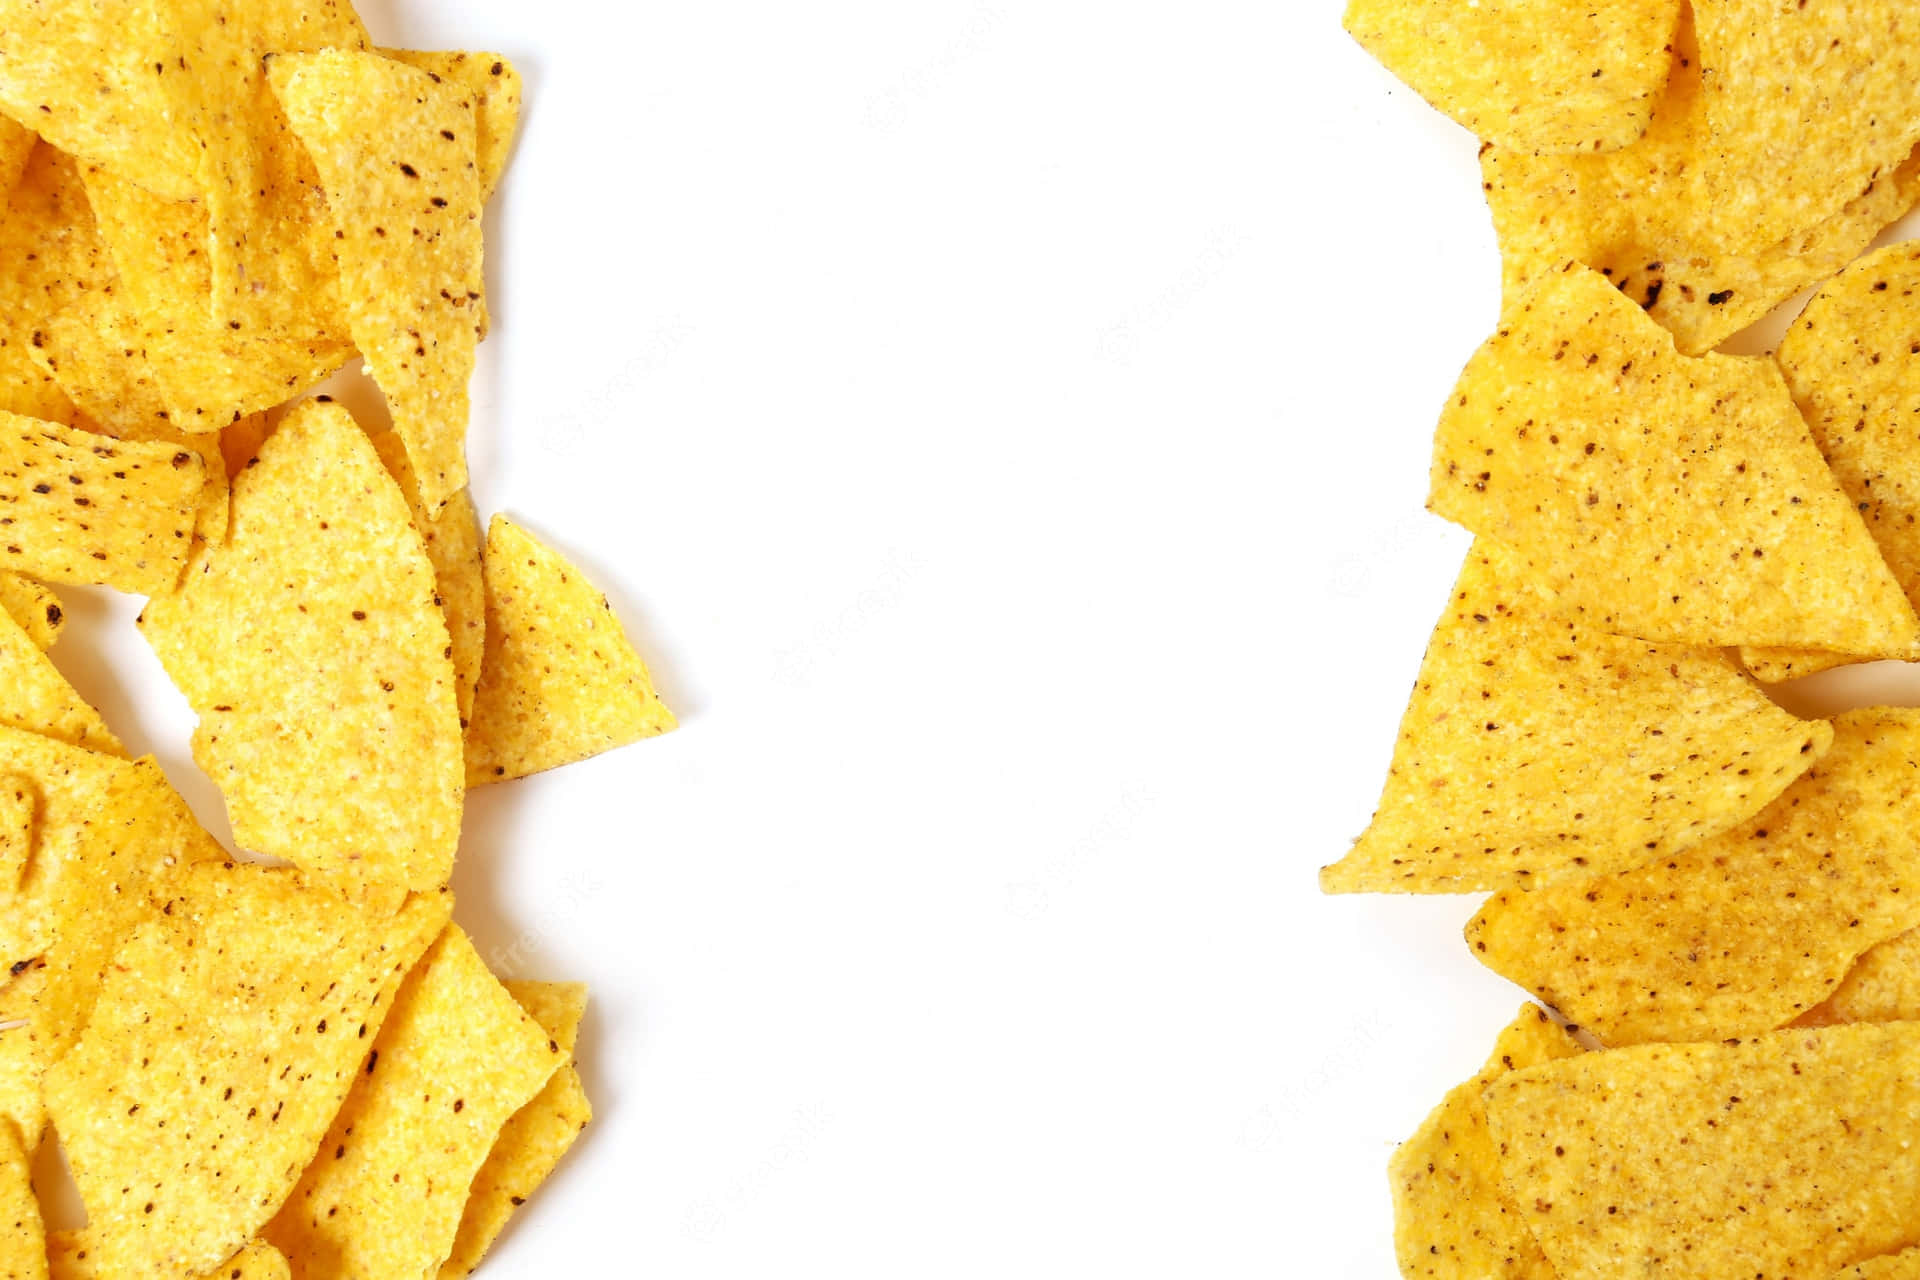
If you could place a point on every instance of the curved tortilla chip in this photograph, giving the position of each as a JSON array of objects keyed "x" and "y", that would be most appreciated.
[{"x": 1654, "y": 494}]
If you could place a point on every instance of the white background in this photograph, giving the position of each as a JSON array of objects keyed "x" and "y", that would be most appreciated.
[{"x": 1003, "y": 424}]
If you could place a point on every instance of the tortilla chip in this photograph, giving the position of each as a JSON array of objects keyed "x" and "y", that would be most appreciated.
[
  {"x": 1534, "y": 747},
  {"x": 16, "y": 147},
  {"x": 1846, "y": 360},
  {"x": 71, "y": 1258},
  {"x": 38, "y": 698},
  {"x": 228, "y": 1032},
  {"x": 312, "y": 649},
  {"x": 1453, "y": 1220},
  {"x": 1657, "y": 495},
  {"x": 84, "y": 509},
  {"x": 1904, "y": 1265},
  {"x": 453, "y": 544},
  {"x": 456, "y": 1059},
  {"x": 1745, "y": 932},
  {"x": 1823, "y": 99},
  {"x": 54, "y": 257},
  {"x": 395, "y": 152},
  {"x": 23, "y": 1241},
  {"x": 532, "y": 1143},
  {"x": 1539, "y": 75},
  {"x": 70, "y": 789},
  {"x": 1882, "y": 986},
  {"x": 82, "y": 76},
  {"x": 16, "y": 830},
  {"x": 34, "y": 606},
  {"x": 560, "y": 682},
  {"x": 494, "y": 85},
  {"x": 1638, "y": 217},
  {"x": 1789, "y": 1154}
]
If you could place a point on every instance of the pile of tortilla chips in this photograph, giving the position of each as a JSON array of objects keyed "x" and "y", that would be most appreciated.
[
  {"x": 287, "y": 1061},
  {"x": 1716, "y": 902}
]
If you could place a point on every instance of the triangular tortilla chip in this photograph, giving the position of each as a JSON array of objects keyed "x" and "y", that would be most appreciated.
[
  {"x": 494, "y": 84},
  {"x": 1539, "y": 75},
  {"x": 1452, "y": 1218},
  {"x": 1745, "y": 932},
  {"x": 1535, "y": 747},
  {"x": 456, "y": 1058},
  {"x": 23, "y": 1240},
  {"x": 76, "y": 506},
  {"x": 1848, "y": 362},
  {"x": 70, "y": 1258},
  {"x": 560, "y": 681},
  {"x": 34, "y": 606},
  {"x": 1638, "y": 217},
  {"x": 1658, "y": 495},
  {"x": 35, "y": 696},
  {"x": 531, "y": 1144},
  {"x": 82, "y": 75},
  {"x": 229, "y": 1031},
  {"x": 312, "y": 649},
  {"x": 1790, "y": 1154},
  {"x": 1823, "y": 99},
  {"x": 54, "y": 258},
  {"x": 395, "y": 152},
  {"x": 453, "y": 544}
]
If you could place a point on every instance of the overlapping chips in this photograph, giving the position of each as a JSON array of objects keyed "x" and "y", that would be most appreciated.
[
  {"x": 1539, "y": 75},
  {"x": 1508, "y": 789},
  {"x": 1580, "y": 438}
]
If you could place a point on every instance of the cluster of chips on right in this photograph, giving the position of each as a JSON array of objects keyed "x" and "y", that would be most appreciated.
[
  {"x": 290, "y": 1063},
  {"x": 1718, "y": 901}
]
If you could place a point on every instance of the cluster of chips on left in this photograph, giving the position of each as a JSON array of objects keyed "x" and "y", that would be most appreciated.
[
  {"x": 289, "y": 1062},
  {"x": 1724, "y": 898}
]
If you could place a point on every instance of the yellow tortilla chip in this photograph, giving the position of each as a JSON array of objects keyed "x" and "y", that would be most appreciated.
[
  {"x": 312, "y": 649},
  {"x": 395, "y": 152},
  {"x": 1790, "y": 1154},
  {"x": 34, "y": 606},
  {"x": 1534, "y": 747},
  {"x": 1904, "y": 1265},
  {"x": 533, "y": 1141},
  {"x": 16, "y": 830},
  {"x": 23, "y": 1240},
  {"x": 1654, "y": 494},
  {"x": 53, "y": 257},
  {"x": 560, "y": 682},
  {"x": 457, "y": 1057},
  {"x": 78, "y": 507},
  {"x": 37, "y": 697},
  {"x": 228, "y": 1032},
  {"x": 1846, "y": 360},
  {"x": 494, "y": 85},
  {"x": 1539, "y": 75},
  {"x": 70, "y": 788},
  {"x": 16, "y": 147},
  {"x": 1882, "y": 986},
  {"x": 1745, "y": 932},
  {"x": 453, "y": 544},
  {"x": 1453, "y": 1220},
  {"x": 1822, "y": 99},
  {"x": 1638, "y": 217},
  {"x": 82, "y": 76},
  {"x": 70, "y": 1258}
]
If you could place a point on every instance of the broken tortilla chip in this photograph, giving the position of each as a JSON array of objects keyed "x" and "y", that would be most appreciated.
[
  {"x": 1535, "y": 747},
  {"x": 560, "y": 681},
  {"x": 1537, "y": 75},
  {"x": 533, "y": 1141},
  {"x": 313, "y": 650},
  {"x": 86, "y": 509},
  {"x": 1647, "y": 1160},
  {"x": 1452, "y": 1218},
  {"x": 456, "y": 1058},
  {"x": 395, "y": 152},
  {"x": 1658, "y": 495},
  {"x": 229, "y": 1030},
  {"x": 1745, "y": 932}
]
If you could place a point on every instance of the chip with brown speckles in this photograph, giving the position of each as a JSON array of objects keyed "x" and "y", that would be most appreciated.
[
  {"x": 1667, "y": 497},
  {"x": 560, "y": 681},
  {"x": 1536, "y": 747},
  {"x": 23, "y": 1240},
  {"x": 70, "y": 1258}
]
